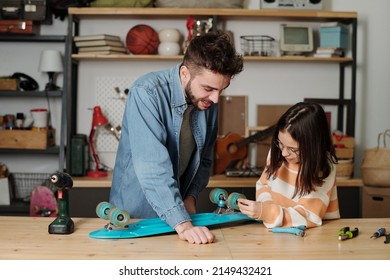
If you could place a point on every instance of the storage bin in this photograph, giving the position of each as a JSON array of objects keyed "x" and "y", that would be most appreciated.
[
  {"x": 257, "y": 45},
  {"x": 376, "y": 201},
  {"x": 8, "y": 84},
  {"x": 335, "y": 36},
  {"x": 344, "y": 169},
  {"x": 26, "y": 139},
  {"x": 23, "y": 183},
  {"x": 345, "y": 147}
]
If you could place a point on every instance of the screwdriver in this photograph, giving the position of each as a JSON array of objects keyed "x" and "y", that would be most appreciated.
[{"x": 379, "y": 232}]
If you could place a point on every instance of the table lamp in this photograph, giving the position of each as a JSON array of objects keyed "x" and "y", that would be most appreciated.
[
  {"x": 98, "y": 120},
  {"x": 51, "y": 63}
]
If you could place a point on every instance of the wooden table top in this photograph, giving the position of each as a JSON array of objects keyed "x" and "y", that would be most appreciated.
[{"x": 28, "y": 238}]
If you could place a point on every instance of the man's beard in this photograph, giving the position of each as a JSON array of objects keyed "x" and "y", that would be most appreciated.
[{"x": 192, "y": 100}]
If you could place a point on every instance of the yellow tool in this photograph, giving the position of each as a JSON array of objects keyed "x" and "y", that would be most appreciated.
[{"x": 347, "y": 233}]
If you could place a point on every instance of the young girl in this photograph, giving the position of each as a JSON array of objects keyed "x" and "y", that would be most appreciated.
[{"x": 298, "y": 185}]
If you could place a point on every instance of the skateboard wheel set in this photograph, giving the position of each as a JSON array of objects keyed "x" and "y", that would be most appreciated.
[
  {"x": 221, "y": 198},
  {"x": 116, "y": 216}
]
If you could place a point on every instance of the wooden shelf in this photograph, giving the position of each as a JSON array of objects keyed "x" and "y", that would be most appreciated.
[
  {"x": 216, "y": 181},
  {"x": 125, "y": 57},
  {"x": 221, "y": 181},
  {"x": 277, "y": 14}
]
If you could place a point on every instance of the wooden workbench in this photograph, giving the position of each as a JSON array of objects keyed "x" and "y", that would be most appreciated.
[{"x": 28, "y": 238}]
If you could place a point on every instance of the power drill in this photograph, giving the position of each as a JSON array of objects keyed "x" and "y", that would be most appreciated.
[{"x": 63, "y": 224}]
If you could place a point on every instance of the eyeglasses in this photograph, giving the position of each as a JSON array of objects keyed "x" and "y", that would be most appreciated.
[{"x": 290, "y": 150}]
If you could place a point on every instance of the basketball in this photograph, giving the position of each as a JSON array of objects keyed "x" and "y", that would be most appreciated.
[{"x": 142, "y": 39}]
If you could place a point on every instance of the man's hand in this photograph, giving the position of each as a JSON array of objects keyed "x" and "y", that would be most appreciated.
[{"x": 194, "y": 235}]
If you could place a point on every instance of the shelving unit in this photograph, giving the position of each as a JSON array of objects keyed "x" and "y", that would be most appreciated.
[
  {"x": 349, "y": 18},
  {"x": 22, "y": 208},
  {"x": 60, "y": 149},
  {"x": 77, "y": 15}
]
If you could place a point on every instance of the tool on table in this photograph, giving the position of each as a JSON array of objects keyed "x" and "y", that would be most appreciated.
[
  {"x": 299, "y": 230},
  {"x": 378, "y": 233},
  {"x": 63, "y": 224},
  {"x": 347, "y": 233},
  {"x": 387, "y": 241}
]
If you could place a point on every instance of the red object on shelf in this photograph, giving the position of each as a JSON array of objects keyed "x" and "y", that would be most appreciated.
[{"x": 98, "y": 120}]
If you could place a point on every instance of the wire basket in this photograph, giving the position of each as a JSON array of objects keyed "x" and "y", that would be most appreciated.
[
  {"x": 344, "y": 169},
  {"x": 24, "y": 183},
  {"x": 257, "y": 45}
]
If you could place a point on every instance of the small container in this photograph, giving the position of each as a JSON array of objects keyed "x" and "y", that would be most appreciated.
[
  {"x": 19, "y": 120},
  {"x": 257, "y": 45},
  {"x": 9, "y": 121},
  {"x": 40, "y": 117}
]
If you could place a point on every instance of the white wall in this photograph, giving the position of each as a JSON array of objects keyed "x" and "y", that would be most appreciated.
[
  {"x": 373, "y": 83},
  {"x": 264, "y": 83}
]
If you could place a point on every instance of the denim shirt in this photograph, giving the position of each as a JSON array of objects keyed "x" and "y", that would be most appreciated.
[{"x": 145, "y": 180}]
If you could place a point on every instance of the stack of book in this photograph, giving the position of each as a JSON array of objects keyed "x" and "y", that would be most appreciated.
[
  {"x": 329, "y": 52},
  {"x": 99, "y": 44}
]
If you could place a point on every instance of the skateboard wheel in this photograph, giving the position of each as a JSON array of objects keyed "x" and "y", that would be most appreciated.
[
  {"x": 119, "y": 217},
  {"x": 218, "y": 194},
  {"x": 232, "y": 200},
  {"x": 103, "y": 210}
]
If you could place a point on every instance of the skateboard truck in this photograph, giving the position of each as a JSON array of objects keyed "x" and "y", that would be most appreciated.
[
  {"x": 225, "y": 204},
  {"x": 222, "y": 207},
  {"x": 63, "y": 224}
]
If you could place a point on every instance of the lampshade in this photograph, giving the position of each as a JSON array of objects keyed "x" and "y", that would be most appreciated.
[
  {"x": 51, "y": 61},
  {"x": 98, "y": 118}
]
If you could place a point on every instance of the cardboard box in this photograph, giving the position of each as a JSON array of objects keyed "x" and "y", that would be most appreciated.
[
  {"x": 8, "y": 84},
  {"x": 267, "y": 115},
  {"x": 4, "y": 192},
  {"x": 335, "y": 36},
  {"x": 345, "y": 147},
  {"x": 376, "y": 202},
  {"x": 233, "y": 114},
  {"x": 26, "y": 139}
]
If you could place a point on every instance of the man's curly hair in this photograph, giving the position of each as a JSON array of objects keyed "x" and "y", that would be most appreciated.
[{"x": 213, "y": 51}]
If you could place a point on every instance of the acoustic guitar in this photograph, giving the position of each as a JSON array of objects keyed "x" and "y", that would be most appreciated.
[{"x": 233, "y": 147}]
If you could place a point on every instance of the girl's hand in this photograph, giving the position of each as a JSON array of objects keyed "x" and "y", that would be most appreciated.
[{"x": 250, "y": 208}]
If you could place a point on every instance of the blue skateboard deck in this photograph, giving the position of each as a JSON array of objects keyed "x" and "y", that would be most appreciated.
[{"x": 155, "y": 226}]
